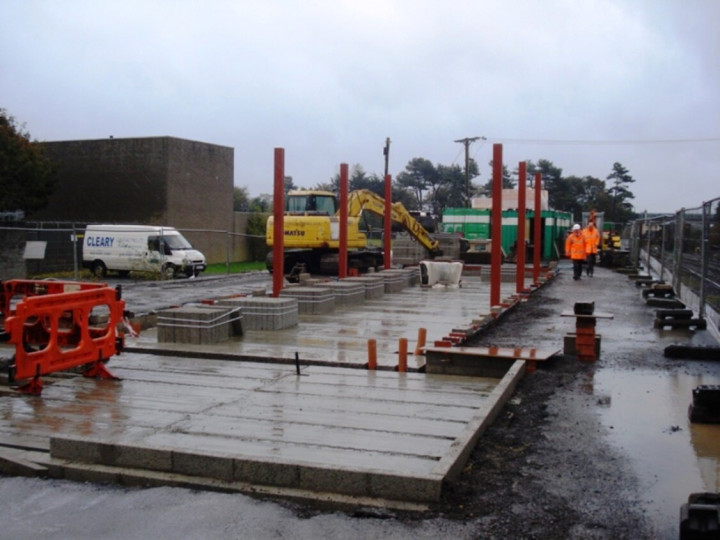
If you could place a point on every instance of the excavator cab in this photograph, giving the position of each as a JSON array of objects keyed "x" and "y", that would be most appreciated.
[{"x": 310, "y": 203}]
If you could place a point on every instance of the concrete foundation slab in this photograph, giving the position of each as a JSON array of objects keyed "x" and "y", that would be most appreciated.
[{"x": 392, "y": 438}]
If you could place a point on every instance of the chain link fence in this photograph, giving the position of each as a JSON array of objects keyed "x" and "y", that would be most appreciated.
[
  {"x": 683, "y": 249},
  {"x": 36, "y": 249}
]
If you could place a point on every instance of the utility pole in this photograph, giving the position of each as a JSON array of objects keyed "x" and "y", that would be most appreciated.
[
  {"x": 467, "y": 141},
  {"x": 386, "y": 153}
]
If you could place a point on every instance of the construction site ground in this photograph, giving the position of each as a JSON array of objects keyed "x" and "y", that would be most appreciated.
[{"x": 602, "y": 450}]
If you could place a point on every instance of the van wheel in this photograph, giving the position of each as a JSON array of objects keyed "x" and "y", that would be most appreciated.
[
  {"x": 168, "y": 271},
  {"x": 98, "y": 269}
]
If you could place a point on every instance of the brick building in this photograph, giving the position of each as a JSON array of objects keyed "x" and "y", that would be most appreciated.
[{"x": 151, "y": 180}]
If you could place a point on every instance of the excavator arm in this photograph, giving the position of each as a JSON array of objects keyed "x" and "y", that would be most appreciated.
[{"x": 364, "y": 199}]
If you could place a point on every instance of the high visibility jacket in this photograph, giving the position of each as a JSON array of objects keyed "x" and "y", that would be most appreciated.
[
  {"x": 575, "y": 246},
  {"x": 592, "y": 239}
]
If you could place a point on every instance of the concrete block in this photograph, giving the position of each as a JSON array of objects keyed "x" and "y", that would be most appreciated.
[
  {"x": 136, "y": 457},
  {"x": 395, "y": 280},
  {"x": 206, "y": 466},
  {"x": 269, "y": 474},
  {"x": 311, "y": 300},
  {"x": 373, "y": 283},
  {"x": 405, "y": 488},
  {"x": 344, "y": 481},
  {"x": 197, "y": 324},
  {"x": 266, "y": 312},
  {"x": 346, "y": 293},
  {"x": 73, "y": 449},
  {"x": 108, "y": 453}
]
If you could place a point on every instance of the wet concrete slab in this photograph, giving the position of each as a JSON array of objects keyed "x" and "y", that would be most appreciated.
[
  {"x": 392, "y": 438},
  {"x": 242, "y": 415},
  {"x": 341, "y": 336}
]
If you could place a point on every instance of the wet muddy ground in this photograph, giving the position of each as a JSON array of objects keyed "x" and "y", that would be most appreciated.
[{"x": 600, "y": 450}]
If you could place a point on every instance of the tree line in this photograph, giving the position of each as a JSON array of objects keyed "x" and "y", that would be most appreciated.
[
  {"x": 432, "y": 188},
  {"x": 27, "y": 180}
]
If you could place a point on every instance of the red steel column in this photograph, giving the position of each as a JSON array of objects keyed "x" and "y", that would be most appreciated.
[
  {"x": 343, "y": 260},
  {"x": 496, "y": 227},
  {"x": 537, "y": 236},
  {"x": 279, "y": 222},
  {"x": 520, "y": 252},
  {"x": 387, "y": 225}
]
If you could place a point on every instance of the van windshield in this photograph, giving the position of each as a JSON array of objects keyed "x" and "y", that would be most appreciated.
[
  {"x": 176, "y": 241},
  {"x": 169, "y": 242}
]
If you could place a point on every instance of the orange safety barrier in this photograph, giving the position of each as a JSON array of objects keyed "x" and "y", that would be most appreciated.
[{"x": 58, "y": 325}]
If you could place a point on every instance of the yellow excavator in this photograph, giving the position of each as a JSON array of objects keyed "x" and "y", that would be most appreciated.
[{"x": 312, "y": 231}]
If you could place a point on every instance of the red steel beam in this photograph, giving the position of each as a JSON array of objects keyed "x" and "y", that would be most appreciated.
[
  {"x": 279, "y": 222},
  {"x": 520, "y": 251},
  {"x": 537, "y": 237},
  {"x": 496, "y": 231},
  {"x": 342, "y": 255},
  {"x": 387, "y": 225}
]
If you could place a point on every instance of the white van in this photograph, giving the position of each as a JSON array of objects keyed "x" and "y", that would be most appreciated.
[{"x": 143, "y": 248}]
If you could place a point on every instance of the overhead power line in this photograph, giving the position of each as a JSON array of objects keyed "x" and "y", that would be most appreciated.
[{"x": 606, "y": 142}]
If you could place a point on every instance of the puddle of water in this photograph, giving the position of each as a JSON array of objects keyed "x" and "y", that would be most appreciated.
[{"x": 648, "y": 416}]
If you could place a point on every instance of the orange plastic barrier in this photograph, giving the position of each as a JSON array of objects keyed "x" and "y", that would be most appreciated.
[{"x": 58, "y": 325}]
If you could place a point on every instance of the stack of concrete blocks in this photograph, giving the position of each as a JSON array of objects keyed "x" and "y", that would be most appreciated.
[
  {"x": 347, "y": 293},
  {"x": 449, "y": 244},
  {"x": 265, "y": 312},
  {"x": 508, "y": 273},
  {"x": 374, "y": 285},
  {"x": 395, "y": 280},
  {"x": 311, "y": 300},
  {"x": 407, "y": 251},
  {"x": 413, "y": 273},
  {"x": 196, "y": 324}
]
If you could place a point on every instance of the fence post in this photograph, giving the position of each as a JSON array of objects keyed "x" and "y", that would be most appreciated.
[
  {"x": 227, "y": 252},
  {"x": 663, "y": 238},
  {"x": 75, "y": 258},
  {"x": 704, "y": 254},
  {"x": 678, "y": 249},
  {"x": 647, "y": 232}
]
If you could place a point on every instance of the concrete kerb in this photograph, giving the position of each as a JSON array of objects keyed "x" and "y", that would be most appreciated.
[
  {"x": 452, "y": 462},
  {"x": 102, "y": 474},
  {"x": 102, "y": 461}
]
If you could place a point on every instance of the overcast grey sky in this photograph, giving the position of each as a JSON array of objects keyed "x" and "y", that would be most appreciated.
[{"x": 582, "y": 83}]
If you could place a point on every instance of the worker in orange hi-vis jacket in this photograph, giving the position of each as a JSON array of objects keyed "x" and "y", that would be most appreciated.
[
  {"x": 576, "y": 250},
  {"x": 592, "y": 241}
]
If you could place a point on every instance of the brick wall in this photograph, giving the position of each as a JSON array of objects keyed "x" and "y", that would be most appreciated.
[{"x": 152, "y": 180}]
